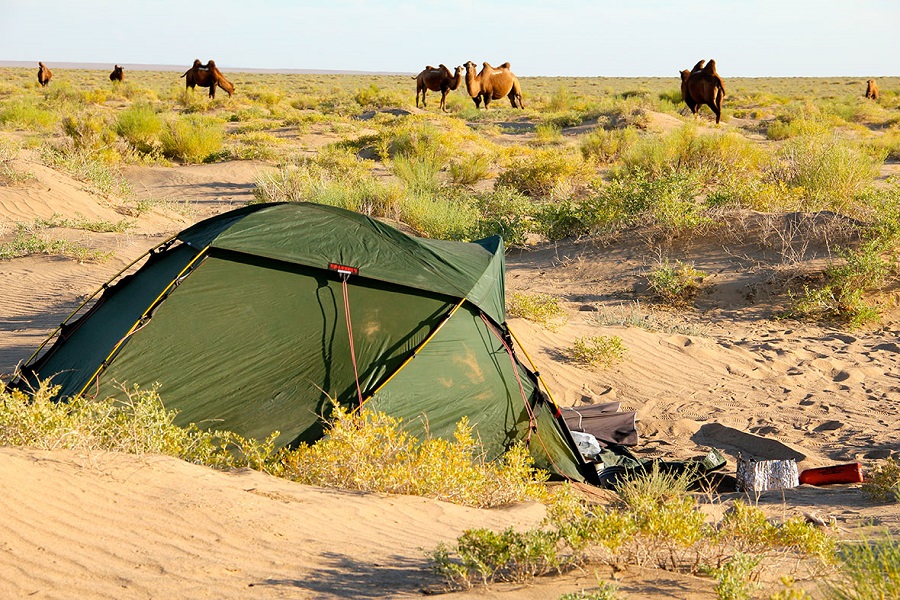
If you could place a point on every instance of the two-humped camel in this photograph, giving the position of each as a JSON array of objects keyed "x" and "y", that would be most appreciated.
[
  {"x": 492, "y": 83},
  {"x": 207, "y": 76},
  {"x": 437, "y": 80},
  {"x": 43, "y": 75},
  {"x": 118, "y": 74},
  {"x": 872, "y": 89},
  {"x": 702, "y": 85}
]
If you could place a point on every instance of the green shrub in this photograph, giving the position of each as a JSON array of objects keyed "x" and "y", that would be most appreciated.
[
  {"x": 88, "y": 131},
  {"x": 369, "y": 451},
  {"x": 599, "y": 350},
  {"x": 192, "y": 139},
  {"x": 470, "y": 168},
  {"x": 632, "y": 197},
  {"x": 90, "y": 167},
  {"x": 870, "y": 570},
  {"x": 737, "y": 577},
  {"x": 676, "y": 284},
  {"x": 882, "y": 481},
  {"x": 544, "y": 173},
  {"x": 831, "y": 171},
  {"x": 843, "y": 296},
  {"x": 504, "y": 212},
  {"x": 543, "y": 309},
  {"x": 27, "y": 115},
  {"x": 140, "y": 125},
  {"x": 420, "y": 174},
  {"x": 605, "y": 146}
]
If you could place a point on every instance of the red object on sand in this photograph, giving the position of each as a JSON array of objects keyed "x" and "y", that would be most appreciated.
[{"x": 850, "y": 473}]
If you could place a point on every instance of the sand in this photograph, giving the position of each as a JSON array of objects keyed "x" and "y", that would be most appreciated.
[{"x": 729, "y": 376}]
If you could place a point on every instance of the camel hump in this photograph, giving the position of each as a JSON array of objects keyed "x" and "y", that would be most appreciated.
[
  {"x": 429, "y": 68},
  {"x": 710, "y": 67},
  {"x": 698, "y": 66},
  {"x": 504, "y": 65}
]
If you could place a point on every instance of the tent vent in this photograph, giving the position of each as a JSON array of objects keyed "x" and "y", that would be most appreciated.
[{"x": 343, "y": 269}]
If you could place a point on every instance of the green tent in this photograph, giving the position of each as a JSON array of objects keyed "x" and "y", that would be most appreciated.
[{"x": 254, "y": 320}]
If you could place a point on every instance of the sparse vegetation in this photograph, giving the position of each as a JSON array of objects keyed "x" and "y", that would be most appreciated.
[
  {"x": 676, "y": 284},
  {"x": 656, "y": 522},
  {"x": 882, "y": 481},
  {"x": 543, "y": 309},
  {"x": 598, "y": 350}
]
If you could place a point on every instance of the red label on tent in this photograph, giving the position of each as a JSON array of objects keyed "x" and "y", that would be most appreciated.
[{"x": 343, "y": 269}]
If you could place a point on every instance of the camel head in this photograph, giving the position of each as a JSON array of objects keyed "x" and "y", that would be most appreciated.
[
  {"x": 685, "y": 74},
  {"x": 470, "y": 66}
]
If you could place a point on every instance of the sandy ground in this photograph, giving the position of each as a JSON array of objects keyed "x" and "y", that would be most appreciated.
[{"x": 728, "y": 376}]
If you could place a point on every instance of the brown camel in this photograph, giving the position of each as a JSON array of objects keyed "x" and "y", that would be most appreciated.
[
  {"x": 492, "y": 83},
  {"x": 44, "y": 75},
  {"x": 872, "y": 89},
  {"x": 118, "y": 74},
  {"x": 437, "y": 80},
  {"x": 702, "y": 85},
  {"x": 207, "y": 76}
]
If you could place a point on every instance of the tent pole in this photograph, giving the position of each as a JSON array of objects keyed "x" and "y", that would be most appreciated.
[
  {"x": 418, "y": 349},
  {"x": 533, "y": 366},
  {"x": 91, "y": 297},
  {"x": 144, "y": 314}
]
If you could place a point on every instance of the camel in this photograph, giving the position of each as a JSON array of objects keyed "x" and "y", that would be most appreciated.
[
  {"x": 437, "y": 80},
  {"x": 492, "y": 83},
  {"x": 44, "y": 75},
  {"x": 872, "y": 89},
  {"x": 702, "y": 85},
  {"x": 207, "y": 76},
  {"x": 118, "y": 74}
]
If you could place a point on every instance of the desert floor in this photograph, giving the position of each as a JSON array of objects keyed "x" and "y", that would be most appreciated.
[{"x": 725, "y": 373}]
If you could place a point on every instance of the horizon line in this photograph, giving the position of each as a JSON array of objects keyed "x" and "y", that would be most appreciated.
[{"x": 96, "y": 66}]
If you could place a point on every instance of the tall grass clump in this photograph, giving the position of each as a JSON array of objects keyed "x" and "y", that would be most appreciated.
[
  {"x": 870, "y": 570},
  {"x": 843, "y": 297},
  {"x": 882, "y": 481},
  {"x": 545, "y": 173},
  {"x": 90, "y": 167},
  {"x": 829, "y": 170},
  {"x": 89, "y": 131},
  {"x": 605, "y": 146},
  {"x": 504, "y": 212},
  {"x": 140, "y": 125},
  {"x": 22, "y": 114},
  {"x": 675, "y": 284},
  {"x": 708, "y": 157},
  {"x": 470, "y": 168},
  {"x": 633, "y": 197},
  {"x": 655, "y": 522},
  {"x": 370, "y": 451},
  {"x": 192, "y": 139},
  {"x": 598, "y": 350},
  {"x": 542, "y": 309}
]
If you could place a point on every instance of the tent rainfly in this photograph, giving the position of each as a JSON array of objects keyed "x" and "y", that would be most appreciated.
[{"x": 254, "y": 320}]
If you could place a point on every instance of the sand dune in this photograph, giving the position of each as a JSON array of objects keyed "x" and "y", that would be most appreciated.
[{"x": 114, "y": 526}]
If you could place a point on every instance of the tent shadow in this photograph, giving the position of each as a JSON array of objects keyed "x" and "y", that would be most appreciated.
[
  {"x": 736, "y": 442},
  {"x": 346, "y": 577}
]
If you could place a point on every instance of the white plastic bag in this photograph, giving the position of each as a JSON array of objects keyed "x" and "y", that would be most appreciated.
[{"x": 587, "y": 444}]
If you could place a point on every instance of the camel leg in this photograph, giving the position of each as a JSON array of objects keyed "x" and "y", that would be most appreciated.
[
  {"x": 487, "y": 100},
  {"x": 443, "y": 100}
]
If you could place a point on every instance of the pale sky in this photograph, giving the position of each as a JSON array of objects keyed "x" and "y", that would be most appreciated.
[{"x": 621, "y": 38}]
